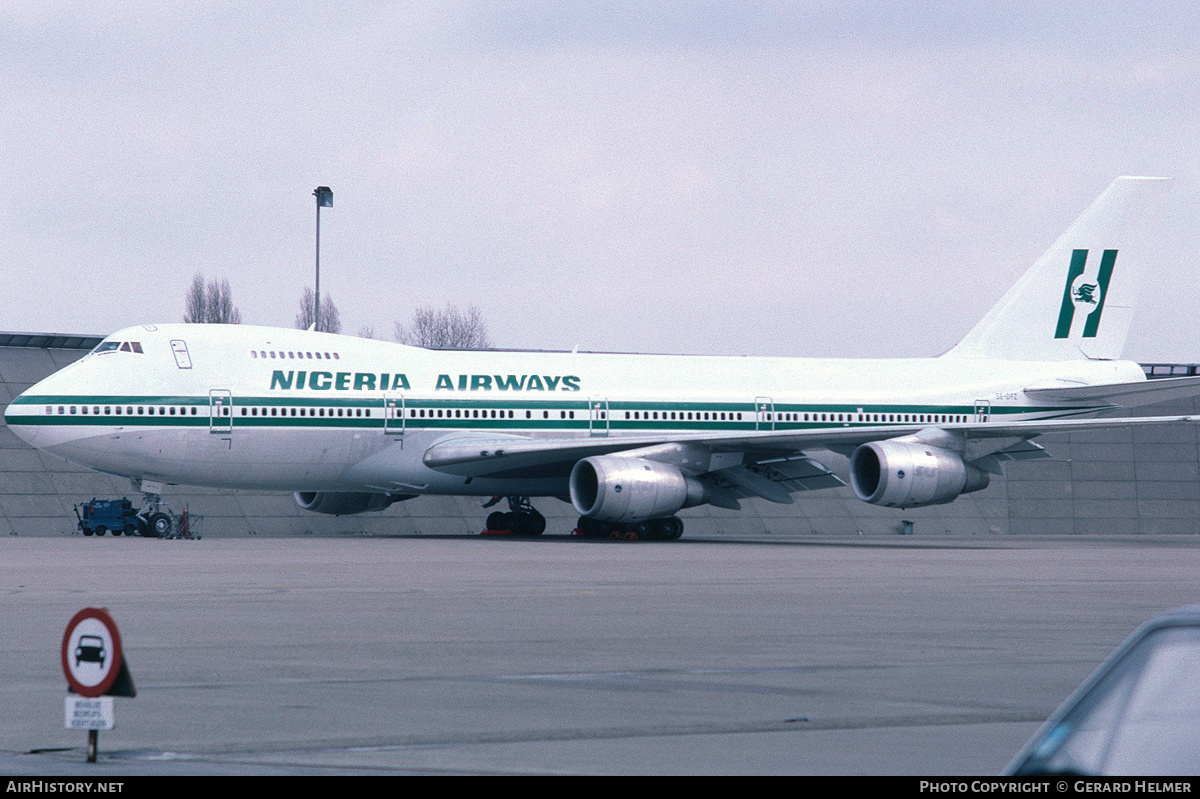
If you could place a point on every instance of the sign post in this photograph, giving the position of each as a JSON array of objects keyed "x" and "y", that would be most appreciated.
[{"x": 96, "y": 672}]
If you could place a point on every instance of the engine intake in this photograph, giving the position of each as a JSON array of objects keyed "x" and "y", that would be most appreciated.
[
  {"x": 344, "y": 503},
  {"x": 622, "y": 489},
  {"x": 904, "y": 474}
]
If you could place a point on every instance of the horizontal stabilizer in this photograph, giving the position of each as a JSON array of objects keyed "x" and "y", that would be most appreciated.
[{"x": 1127, "y": 395}]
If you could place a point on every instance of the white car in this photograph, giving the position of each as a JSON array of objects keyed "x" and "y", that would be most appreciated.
[{"x": 1138, "y": 713}]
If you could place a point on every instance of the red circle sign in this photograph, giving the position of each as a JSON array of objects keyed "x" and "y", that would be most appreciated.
[{"x": 91, "y": 652}]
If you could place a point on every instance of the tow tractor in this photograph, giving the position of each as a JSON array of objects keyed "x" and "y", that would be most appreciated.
[{"x": 100, "y": 516}]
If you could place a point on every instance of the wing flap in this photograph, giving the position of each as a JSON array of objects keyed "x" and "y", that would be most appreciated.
[
  {"x": 1020, "y": 451},
  {"x": 800, "y": 473},
  {"x": 757, "y": 484}
]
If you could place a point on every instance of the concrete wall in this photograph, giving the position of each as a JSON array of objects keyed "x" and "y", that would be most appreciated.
[{"x": 1144, "y": 481}]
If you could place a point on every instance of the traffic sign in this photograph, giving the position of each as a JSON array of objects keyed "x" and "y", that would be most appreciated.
[
  {"x": 91, "y": 652},
  {"x": 84, "y": 713}
]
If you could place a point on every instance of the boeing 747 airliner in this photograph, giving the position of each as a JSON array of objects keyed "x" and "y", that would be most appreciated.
[{"x": 352, "y": 425}]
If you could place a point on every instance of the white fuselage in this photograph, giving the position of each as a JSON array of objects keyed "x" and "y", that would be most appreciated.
[{"x": 266, "y": 408}]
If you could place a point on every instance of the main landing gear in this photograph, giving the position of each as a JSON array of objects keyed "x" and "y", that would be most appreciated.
[
  {"x": 667, "y": 529},
  {"x": 521, "y": 519}
]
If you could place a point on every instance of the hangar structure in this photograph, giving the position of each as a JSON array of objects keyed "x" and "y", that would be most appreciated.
[{"x": 1120, "y": 481}]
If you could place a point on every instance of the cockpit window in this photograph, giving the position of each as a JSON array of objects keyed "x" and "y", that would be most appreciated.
[{"x": 123, "y": 346}]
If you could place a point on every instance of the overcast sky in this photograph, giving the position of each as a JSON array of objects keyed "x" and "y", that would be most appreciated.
[{"x": 810, "y": 178}]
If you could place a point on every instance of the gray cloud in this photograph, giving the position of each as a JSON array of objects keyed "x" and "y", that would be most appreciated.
[{"x": 810, "y": 178}]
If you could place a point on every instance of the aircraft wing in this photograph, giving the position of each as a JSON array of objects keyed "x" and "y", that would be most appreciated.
[{"x": 778, "y": 456}]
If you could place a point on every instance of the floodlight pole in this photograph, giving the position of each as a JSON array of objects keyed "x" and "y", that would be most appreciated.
[{"x": 324, "y": 197}]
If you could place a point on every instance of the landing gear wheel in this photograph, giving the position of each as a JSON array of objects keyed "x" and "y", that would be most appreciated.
[
  {"x": 597, "y": 528},
  {"x": 669, "y": 529},
  {"x": 591, "y": 528},
  {"x": 160, "y": 525},
  {"x": 522, "y": 518},
  {"x": 526, "y": 523}
]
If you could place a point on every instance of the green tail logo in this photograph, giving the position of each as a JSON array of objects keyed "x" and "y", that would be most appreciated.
[{"x": 1085, "y": 292}]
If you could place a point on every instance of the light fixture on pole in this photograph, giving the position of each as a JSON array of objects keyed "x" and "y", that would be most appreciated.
[{"x": 324, "y": 197}]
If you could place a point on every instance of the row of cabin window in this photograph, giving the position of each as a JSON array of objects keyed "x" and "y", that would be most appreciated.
[
  {"x": 713, "y": 415},
  {"x": 416, "y": 413},
  {"x": 109, "y": 410},
  {"x": 294, "y": 355},
  {"x": 276, "y": 411},
  {"x": 919, "y": 418},
  {"x": 411, "y": 413},
  {"x": 686, "y": 416},
  {"x": 422, "y": 413},
  {"x": 458, "y": 413}
]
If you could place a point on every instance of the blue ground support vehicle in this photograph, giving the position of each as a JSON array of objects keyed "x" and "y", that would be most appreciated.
[{"x": 101, "y": 516}]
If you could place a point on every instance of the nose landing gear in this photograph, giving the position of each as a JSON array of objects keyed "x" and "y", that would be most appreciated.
[{"x": 157, "y": 521}]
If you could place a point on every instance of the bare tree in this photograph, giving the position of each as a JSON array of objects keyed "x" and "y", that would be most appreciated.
[
  {"x": 210, "y": 302},
  {"x": 449, "y": 328},
  {"x": 331, "y": 321},
  {"x": 220, "y": 304},
  {"x": 195, "y": 302}
]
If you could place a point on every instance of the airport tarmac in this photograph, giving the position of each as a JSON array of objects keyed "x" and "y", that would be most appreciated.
[{"x": 461, "y": 655}]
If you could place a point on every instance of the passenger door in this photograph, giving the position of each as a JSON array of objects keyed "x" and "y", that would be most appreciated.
[
  {"x": 393, "y": 415},
  {"x": 598, "y": 416},
  {"x": 764, "y": 413},
  {"x": 220, "y": 411},
  {"x": 182, "y": 358}
]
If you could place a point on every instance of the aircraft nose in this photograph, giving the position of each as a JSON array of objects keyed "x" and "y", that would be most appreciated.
[{"x": 21, "y": 422}]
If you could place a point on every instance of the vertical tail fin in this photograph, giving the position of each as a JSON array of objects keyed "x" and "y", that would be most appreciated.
[{"x": 1076, "y": 301}]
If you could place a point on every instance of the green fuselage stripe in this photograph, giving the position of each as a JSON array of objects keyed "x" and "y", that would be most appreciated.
[{"x": 399, "y": 412}]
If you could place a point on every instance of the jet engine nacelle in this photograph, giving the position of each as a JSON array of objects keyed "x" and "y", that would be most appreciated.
[
  {"x": 343, "y": 503},
  {"x": 907, "y": 474},
  {"x": 616, "y": 489}
]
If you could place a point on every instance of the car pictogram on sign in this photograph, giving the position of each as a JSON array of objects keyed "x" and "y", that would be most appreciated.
[{"x": 90, "y": 648}]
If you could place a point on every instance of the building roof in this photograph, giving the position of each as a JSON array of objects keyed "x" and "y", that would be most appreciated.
[{"x": 54, "y": 341}]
